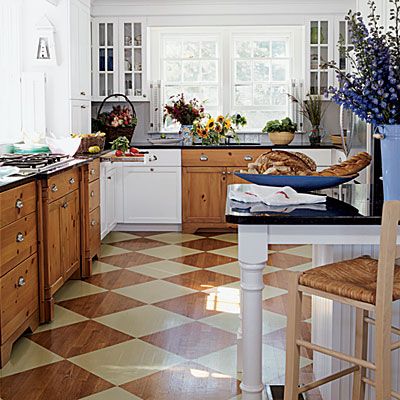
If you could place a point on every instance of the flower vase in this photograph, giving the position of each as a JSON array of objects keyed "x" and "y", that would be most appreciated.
[
  {"x": 315, "y": 135},
  {"x": 390, "y": 151},
  {"x": 186, "y": 132}
]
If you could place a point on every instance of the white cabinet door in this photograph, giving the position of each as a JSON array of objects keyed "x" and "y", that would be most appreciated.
[
  {"x": 103, "y": 200},
  {"x": 152, "y": 195},
  {"x": 80, "y": 116},
  {"x": 110, "y": 197},
  {"x": 80, "y": 50}
]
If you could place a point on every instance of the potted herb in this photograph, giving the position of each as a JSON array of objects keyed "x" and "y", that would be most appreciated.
[
  {"x": 312, "y": 110},
  {"x": 120, "y": 145},
  {"x": 184, "y": 112},
  {"x": 280, "y": 132},
  {"x": 372, "y": 89}
]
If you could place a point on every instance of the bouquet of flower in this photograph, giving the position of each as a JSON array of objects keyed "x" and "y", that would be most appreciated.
[
  {"x": 372, "y": 89},
  {"x": 182, "y": 111},
  {"x": 118, "y": 117},
  {"x": 214, "y": 131}
]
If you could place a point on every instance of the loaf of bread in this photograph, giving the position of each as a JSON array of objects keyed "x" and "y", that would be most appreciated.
[{"x": 349, "y": 167}]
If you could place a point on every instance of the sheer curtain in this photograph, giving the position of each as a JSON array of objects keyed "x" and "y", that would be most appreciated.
[{"x": 10, "y": 71}]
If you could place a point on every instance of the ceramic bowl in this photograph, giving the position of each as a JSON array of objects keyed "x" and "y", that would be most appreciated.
[
  {"x": 281, "y": 138},
  {"x": 68, "y": 145}
]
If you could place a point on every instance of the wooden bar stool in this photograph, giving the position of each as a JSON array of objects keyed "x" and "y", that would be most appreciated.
[{"x": 368, "y": 285}]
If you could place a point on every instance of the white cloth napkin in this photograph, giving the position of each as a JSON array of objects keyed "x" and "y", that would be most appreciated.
[{"x": 275, "y": 196}]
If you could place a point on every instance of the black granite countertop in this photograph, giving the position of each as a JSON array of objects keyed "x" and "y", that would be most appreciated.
[
  {"x": 350, "y": 204},
  {"x": 11, "y": 182}
]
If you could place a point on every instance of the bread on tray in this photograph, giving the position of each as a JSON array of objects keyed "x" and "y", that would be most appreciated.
[{"x": 280, "y": 162}]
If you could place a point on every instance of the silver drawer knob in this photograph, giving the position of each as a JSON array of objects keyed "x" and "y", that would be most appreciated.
[
  {"x": 54, "y": 188},
  {"x": 248, "y": 158},
  {"x": 92, "y": 171},
  {"x": 93, "y": 223},
  {"x": 65, "y": 205},
  {"x": 20, "y": 237},
  {"x": 92, "y": 193},
  {"x": 21, "y": 281},
  {"x": 203, "y": 158},
  {"x": 223, "y": 173},
  {"x": 19, "y": 204},
  {"x": 71, "y": 181}
]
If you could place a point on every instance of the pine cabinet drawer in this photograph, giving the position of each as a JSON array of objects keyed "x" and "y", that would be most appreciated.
[
  {"x": 94, "y": 231},
  {"x": 17, "y": 203},
  {"x": 94, "y": 170},
  {"x": 94, "y": 194},
  {"x": 17, "y": 242},
  {"x": 220, "y": 158},
  {"x": 19, "y": 296},
  {"x": 62, "y": 184}
]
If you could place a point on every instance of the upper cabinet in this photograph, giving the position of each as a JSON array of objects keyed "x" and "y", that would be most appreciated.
[
  {"x": 80, "y": 50},
  {"x": 118, "y": 58},
  {"x": 327, "y": 39}
]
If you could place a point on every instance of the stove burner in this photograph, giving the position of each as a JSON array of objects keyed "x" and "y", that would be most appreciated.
[{"x": 33, "y": 162}]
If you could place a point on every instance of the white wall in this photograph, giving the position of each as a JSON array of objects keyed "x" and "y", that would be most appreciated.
[
  {"x": 10, "y": 100},
  {"x": 57, "y": 85}
]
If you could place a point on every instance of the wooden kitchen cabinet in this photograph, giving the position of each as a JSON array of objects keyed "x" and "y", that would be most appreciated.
[
  {"x": 62, "y": 232},
  {"x": 19, "y": 288}
]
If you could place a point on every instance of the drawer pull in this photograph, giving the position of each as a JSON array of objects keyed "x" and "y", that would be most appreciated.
[
  {"x": 65, "y": 205},
  {"x": 109, "y": 177},
  {"x": 203, "y": 158},
  {"x": 151, "y": 169},
  {"x": 224, "y": 173},
  {"x": 92, "y": 193},
  {"x": 92, "y": 171},
  {"x": 20, "y": 237},
  {"x": 21, "y": 281},
  {"x": 248, "y": 158},
  {"x": 54, "y": 188},
  {"x": 71, "y": 181},
  {"x": 83, "y": 107},
  {"x": 93, "y": 223},
  {"x": 83, "y": 93},
  {"x": 153, "y": 157},
  {"x": 19, "y": 204}
]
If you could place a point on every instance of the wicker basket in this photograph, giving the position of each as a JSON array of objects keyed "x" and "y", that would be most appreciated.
[
  {"x": 90, "y": 141},
  {"x": 113, "y": 133}
]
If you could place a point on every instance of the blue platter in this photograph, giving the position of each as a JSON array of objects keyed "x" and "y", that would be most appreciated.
[{"x": 299, "y": 183}]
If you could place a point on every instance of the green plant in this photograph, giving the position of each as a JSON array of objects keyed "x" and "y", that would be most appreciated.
[
  {"x": 311, "y": 108},
  {"x": 121, "y": 143},
  {"x": 285, "y": 125}
]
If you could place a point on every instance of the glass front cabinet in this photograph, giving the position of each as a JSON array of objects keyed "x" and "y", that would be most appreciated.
[
  {"x": 118, "y": 57},
  {"x": 326, "y": 40}
]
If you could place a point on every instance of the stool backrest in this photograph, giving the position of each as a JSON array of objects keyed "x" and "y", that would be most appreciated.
[{"x": 387, "y": 256}]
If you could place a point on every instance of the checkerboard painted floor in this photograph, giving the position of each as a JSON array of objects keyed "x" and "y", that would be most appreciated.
[{"x": 157, "y": 321}]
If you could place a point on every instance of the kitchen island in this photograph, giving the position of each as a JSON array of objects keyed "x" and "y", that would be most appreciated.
[{"x": 347, "y": 226}]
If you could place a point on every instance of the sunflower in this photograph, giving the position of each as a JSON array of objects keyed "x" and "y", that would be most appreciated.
[
  {"x": 228, "y": 124},
  {"x": 210, "y": 124},
  {"x": 218, "y": 128},
  {"x": 220, "y": 118},
  {"x": 203, "y": 133}
]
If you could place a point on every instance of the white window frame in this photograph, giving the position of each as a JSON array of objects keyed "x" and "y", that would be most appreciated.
[{"x": 227, "y": 34}]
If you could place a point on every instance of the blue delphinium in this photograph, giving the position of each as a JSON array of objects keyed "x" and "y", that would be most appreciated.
[{"x": 372, "y": 89}]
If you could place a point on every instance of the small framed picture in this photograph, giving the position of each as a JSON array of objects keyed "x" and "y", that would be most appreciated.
[{"x": 44, "y": 48}]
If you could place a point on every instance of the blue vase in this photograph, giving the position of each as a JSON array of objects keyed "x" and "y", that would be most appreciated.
[
  {"x": 186, "y": 132},
  {"x": 390, "y": 150}
]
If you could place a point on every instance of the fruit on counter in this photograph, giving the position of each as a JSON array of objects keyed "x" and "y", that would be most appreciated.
[
  {"x": 119, "y": 153},
  {"x": 121, "y": 143},
  {"x": 94, "y": 149},
  {"x": 134, "y": 150}
]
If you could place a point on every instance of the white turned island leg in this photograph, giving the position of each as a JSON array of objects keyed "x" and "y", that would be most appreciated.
[{"x": 253, "y": 253}]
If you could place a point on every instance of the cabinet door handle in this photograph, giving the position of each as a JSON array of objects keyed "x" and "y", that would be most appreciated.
[
  {"x": 65, "y": 205},
  {"x": 92, "y": 171},
  {"x": 83, "y": 93},
  {"x": 203, "y": 158},
  {"x": 153, "y": 157},
  {"x": 19, "y": 204},
  {"x": 248, "y": 158},
  {"x": 92, "y": 193},
  {"x": 21, "y": 281},
  {"x": 109, "y": 177},
  {"x": 20, "y": 237},
  {"x": 229, "y": 173},
  {"x": 144, "y": 95},
  {"x": 223, "y": 173},
  {"x": 71, "y": 181},
  {"x": 54, "y": 188},
  {"x": 151, "y": 169},
  {"x": 83, "y": 106},
  {"x": 93, "y": 223}
]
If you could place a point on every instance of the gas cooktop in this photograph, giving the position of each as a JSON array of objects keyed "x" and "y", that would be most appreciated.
[{"x": 33, "y": 163}]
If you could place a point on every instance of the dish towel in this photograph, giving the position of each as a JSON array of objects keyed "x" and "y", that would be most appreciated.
[{"x": 275, "y": 196}]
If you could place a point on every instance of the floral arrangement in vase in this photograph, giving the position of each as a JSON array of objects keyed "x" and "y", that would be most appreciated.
[
  {"x": 118, "y": 117},
  {"x": 312, "y": 110},
  {"x": 372, "y": 89},
  {"x": 182, "y": 111},
  {"x": 214, "y": 131}
]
